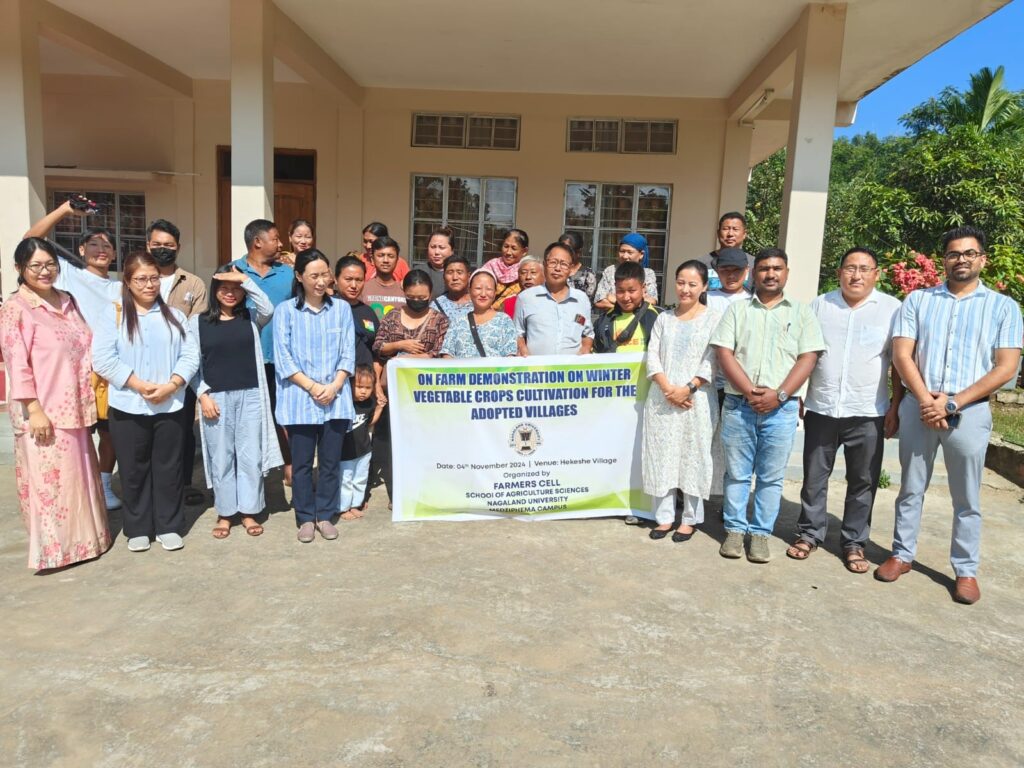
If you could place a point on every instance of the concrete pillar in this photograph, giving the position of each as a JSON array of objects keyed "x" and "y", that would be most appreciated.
[
  {"x": 735, "y": 167},
  {"x": 809, "y": 151},
  {"x": 22, "y": 179},
  {"x": 252, "y": 116}
]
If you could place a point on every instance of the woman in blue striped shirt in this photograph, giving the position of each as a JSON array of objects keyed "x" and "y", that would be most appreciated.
[
  {"x": 314, "y": 352},
  {"x": 144, "y": 349}
]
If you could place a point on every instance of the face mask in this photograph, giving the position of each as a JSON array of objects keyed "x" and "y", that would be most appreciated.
[
  {"x": 417, "y": 305},
  {"x": 163, "y": 256}
]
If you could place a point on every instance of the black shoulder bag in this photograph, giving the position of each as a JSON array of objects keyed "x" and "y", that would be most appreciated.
[{"x": 476, "y": 335}]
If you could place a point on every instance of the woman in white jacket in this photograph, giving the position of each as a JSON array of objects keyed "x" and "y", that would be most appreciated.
[{"x": 239, "y": 442}]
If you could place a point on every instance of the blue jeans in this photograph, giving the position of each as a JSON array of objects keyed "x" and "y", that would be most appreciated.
[
  {"x": 354, "y": 474},
  {"x": 755, "y": 444},
  {"x": 317, "y": 501}
]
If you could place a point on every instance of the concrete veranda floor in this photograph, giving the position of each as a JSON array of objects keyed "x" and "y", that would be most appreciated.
[{"x": 509, "y": 644}]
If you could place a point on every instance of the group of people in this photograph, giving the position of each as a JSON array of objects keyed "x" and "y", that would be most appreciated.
[{"x": 285, "y": 355}]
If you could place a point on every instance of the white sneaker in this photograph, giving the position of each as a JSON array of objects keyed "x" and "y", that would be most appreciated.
[
  {"x": 170, "y": 541},
  {"x": 111, "y": 500},
  {"x": 138, "y": 543}
]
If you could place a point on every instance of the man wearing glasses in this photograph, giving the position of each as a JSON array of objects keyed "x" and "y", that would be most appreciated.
[
  {"x": 848, "y": 405},
  {"x": 554, "y": 318},
  {"x": 953, "y": 346}
]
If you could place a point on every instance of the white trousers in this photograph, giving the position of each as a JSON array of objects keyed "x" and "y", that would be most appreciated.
[{"x": 664, "y": 508}]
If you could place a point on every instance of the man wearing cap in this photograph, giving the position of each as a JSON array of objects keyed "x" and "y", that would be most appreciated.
[
  {"x": 731, "y": 232},
  {"x": 733, "y": 273}
]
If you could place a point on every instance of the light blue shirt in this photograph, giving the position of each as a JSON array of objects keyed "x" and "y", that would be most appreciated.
[
  {"x": 957, "y": 338},
  {"x": 320, "y": 345},
  {"x": 157, "y": 352},
  {"x": 450, "y": 309},
  {"x": 553, "y": 327},
  {"x": 277, "y": 284}
]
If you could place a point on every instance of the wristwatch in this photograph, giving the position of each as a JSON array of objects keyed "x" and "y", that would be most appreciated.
[
  {"x": 783, "y": 395},
  {"x": 692, "y": 387},
  {"x": 951, "y": 407}
]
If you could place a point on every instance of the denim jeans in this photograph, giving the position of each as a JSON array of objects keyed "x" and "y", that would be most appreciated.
[
  {"x": 756, "y": 444},
  {"x": 354, "y": 473}
]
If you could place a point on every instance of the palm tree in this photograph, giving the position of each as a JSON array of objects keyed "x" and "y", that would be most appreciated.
[{"x": 985, "y": 106}]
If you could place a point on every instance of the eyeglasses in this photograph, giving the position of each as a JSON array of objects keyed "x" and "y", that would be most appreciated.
[
  {"x": 38, "y": 269},
  {"x": 853, "y": 269},
  {"x": 142, "y": 282},
  {"x": 559, "y": 264},
  {"x": 968, "y": 256}
]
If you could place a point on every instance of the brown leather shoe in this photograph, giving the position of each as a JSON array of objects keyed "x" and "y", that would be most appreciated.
[
  {"x": 891, "y": 569},
  {"x": 967, "y": 590}
]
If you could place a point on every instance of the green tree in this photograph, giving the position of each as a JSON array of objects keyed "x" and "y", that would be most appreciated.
[{"x": 986, "y": 106}]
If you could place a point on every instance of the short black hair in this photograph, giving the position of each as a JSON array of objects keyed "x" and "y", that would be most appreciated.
[
  {"x": 383, "y": 242},
  {"x": 92, "y": 232},
  {"x": 771, "y": 253},
  {"x": 256, "y": 228},
  {"x": 732, "y": 215},
  {"x": 562, "y": 246},
  {"x": 860, "y": 249},
  {"x": 163, "y": 225},
  {"x": 519, "y": 234},
  {"x": 959, "y": 233},
  {"x": 455, "y": 259},
  {"x": 630, "y": 270},
  {"x": 362, "y": 369},
  {"x": 348, "y": 261}
]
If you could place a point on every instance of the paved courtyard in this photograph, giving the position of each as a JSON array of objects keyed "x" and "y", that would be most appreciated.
[{"x": 579, "y": 643}]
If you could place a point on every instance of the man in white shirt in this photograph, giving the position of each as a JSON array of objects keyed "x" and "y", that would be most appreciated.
[
  {"x": 733, "y": 271},
  {"x": 848, "y": 405}
]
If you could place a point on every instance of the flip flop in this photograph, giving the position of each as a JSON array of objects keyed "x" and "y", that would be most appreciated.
[
  {"x": 253, "y": 530},
  {"x": 219, "y": 532}
]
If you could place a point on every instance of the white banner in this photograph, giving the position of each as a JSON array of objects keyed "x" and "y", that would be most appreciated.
[{"x": 536, "y": 438}]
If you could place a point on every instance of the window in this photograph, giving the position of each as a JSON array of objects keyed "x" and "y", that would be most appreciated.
[
  {"x": 466, "y": 131},
  {"x": 479, "y": 210},
  {"x": 614, "y": 135},
  {"x": 603, "y": 213},
  {"x": 122, "y": 213}
]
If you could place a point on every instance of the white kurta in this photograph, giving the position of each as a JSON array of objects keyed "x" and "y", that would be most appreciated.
[{"x": 677, "y": 442}]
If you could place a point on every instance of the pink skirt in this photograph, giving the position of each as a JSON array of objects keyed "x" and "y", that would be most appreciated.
[{"x": 61, "y": 499}]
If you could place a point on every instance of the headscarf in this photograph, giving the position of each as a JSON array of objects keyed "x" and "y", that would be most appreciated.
[{"x": 638, "y": 241}]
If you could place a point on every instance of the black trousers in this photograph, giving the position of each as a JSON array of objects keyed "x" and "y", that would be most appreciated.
[
  {"x": 380, "y": 461},
  {"x": 188, "y": 417},
  {"x": 149, "y": 453},
  {"x": 863, "y": 440}
]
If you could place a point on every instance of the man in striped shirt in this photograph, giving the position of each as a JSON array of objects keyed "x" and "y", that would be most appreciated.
[{"x": 953, "y": 346}]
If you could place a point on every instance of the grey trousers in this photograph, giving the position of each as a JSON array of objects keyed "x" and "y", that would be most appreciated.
[
  {"x": 964, "y": 450},
  {"x": 863, "y": 441}
]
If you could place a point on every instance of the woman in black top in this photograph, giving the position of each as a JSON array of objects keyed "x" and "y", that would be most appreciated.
[
  {"x": 349, "y": 276},
  {"x": 239, "y": 442}
]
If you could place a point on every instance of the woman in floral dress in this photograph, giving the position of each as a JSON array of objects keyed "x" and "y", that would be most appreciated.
[{"x": 46, "y": 348}]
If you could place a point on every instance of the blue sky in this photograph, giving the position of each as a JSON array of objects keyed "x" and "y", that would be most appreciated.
[{"x": 999, "y": 39}]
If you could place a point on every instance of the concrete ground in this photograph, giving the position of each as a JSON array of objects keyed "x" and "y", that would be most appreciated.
[{"x": 578, "y": 643}]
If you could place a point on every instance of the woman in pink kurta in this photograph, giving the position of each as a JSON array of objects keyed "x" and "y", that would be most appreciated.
[{"x": 46, "y": 347}]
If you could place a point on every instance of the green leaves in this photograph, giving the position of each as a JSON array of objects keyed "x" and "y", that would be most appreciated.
[{"x": 963, "y": 163}]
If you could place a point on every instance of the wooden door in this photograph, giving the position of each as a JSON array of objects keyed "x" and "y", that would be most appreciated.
[{"x": 294, "y": 198}]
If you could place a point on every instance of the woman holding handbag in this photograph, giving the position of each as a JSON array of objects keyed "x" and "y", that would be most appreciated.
[{"x": 483, "y": 332}]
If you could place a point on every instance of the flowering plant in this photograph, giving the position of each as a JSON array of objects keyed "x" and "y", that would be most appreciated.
[{"x": 904, "y": 278}]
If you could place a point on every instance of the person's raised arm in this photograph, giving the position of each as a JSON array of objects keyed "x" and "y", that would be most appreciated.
[{"x": 42, "y": 227}]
